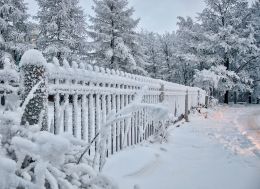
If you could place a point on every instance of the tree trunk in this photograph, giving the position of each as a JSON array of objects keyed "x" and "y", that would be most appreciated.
[
  {"x": 235, "y": 97},
  {"x": 227, "y": 92},
  {"x": 250, "y": 98},
  {"x": 226, "y": 97}
]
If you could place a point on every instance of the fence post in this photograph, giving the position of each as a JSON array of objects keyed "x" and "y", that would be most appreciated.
[
  {"x": 206, "y": 101},
  {"x": 198, "y": 98},
  {"x": 3, "y": 100},
  {"x": 186, "y": 115},
  {"x": 162, "y": 94},
  {"x": 33, "y": 72}
]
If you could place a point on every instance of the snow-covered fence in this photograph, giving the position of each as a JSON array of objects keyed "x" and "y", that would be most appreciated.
[{"x": 81, "y": 96}]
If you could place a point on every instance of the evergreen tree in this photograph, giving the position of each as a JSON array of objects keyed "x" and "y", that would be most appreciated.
[
  {"x": 115, "y": 42},
  {"x": 13, "y": 27},
  {"x": 62, "y": 29},
  {"x": 227, "y": 32},
  {"x": 151, "y": 44},
  {"x": 167, "y": 48},
  {"x": 186, "y": 49},
  {"x": 255, "y": 19}
]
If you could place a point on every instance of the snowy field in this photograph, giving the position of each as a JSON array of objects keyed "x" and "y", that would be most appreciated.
[{"x": 220, "y": 152}]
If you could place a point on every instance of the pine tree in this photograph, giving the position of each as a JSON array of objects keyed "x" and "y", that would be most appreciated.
[
  {"x": 255, "y": 19},
  {"x": 186, "y": 49},
  {"x": 151, "y": 44},
  {"x": 62, "y": 29},
  {"x": 115, "y": 42},
  {"x": 13, "y": 27},
  {"x": 167, "y": 48}
]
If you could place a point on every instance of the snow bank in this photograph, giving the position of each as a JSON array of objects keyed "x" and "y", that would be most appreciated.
[
  {"x": 200, "y": 154},
  {"x": 33, "y": 57}
]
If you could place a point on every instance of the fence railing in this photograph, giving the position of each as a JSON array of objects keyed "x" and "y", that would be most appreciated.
[{"x": 81, "y": 96}]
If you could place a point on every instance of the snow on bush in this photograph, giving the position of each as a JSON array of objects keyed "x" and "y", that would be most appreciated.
[{"x": 37, "y": 159}]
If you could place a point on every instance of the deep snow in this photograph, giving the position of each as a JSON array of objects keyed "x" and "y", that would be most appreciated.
[{"x": 220, "y": 152}]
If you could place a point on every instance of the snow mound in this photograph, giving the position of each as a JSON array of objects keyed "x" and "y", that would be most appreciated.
[{"x": 33, "y": 57}]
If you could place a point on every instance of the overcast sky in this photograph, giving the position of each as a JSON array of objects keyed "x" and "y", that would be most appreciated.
[{"x": 156, "y": 15}]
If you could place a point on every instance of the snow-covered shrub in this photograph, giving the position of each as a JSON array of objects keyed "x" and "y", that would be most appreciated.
[
  {"x": 34, "y": 159},
  {"x": 9, "y": 78}
]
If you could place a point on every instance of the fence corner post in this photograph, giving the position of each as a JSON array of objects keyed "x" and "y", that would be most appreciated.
[
  {"x": 206, "y": 101},
  {"x": 162, "y": 94},
  {"x": 198, "y": 98},
  {"x": 186, "y": 115},
  {"x": 33, "y": 72}
]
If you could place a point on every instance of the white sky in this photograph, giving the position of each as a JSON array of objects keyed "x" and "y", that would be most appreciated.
[{"x": 156, "y": 15}]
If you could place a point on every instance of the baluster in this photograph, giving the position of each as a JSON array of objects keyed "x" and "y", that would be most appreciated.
[
  {"x": 56, "y": 113},
  {"x": 91, "y": 126},
  {"x": 98, "y": 119},
  {"x": 75, "y": 115},
  {"x": 66, "y": 113},
  {"x": 128, "y": 125},
  {"x": 114, "y": 138},
  {"x": 122, "y": 125},
  {"x": 109, "y": 108},
  {"x": 84, "y": 117},
  {"x": 117, "y": 123}
]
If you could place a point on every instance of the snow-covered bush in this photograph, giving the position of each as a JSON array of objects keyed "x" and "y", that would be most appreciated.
[
  {"x": 32, "y": 159},
  {"x": 9, "y": 78}
]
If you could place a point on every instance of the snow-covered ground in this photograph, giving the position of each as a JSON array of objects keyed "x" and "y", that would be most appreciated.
[{"x": 220, "y": 152}]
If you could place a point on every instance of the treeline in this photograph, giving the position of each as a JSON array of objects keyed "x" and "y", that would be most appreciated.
[{"x": 219, "y": 51}]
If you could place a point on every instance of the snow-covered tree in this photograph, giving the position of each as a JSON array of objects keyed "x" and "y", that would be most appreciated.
[
  {"x": 186, "y": 53},
  {"x": 115, "y": 41},
  {"x": 227, "y": 32},
  {"x": 62, "y": 29},
  {"x": 152, "y": 51},
  {"x": 255, "y": 21},
  {"x": 13, "y": 27},
  {"x": 167, "y": 48}
]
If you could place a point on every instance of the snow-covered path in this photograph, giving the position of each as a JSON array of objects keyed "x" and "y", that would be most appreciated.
[{"x": 221, "y": 152}]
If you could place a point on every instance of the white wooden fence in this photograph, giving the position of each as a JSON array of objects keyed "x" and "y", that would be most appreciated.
[
  {"x": 94, "y": 92},
  {"x": 81, "y": 96}
]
